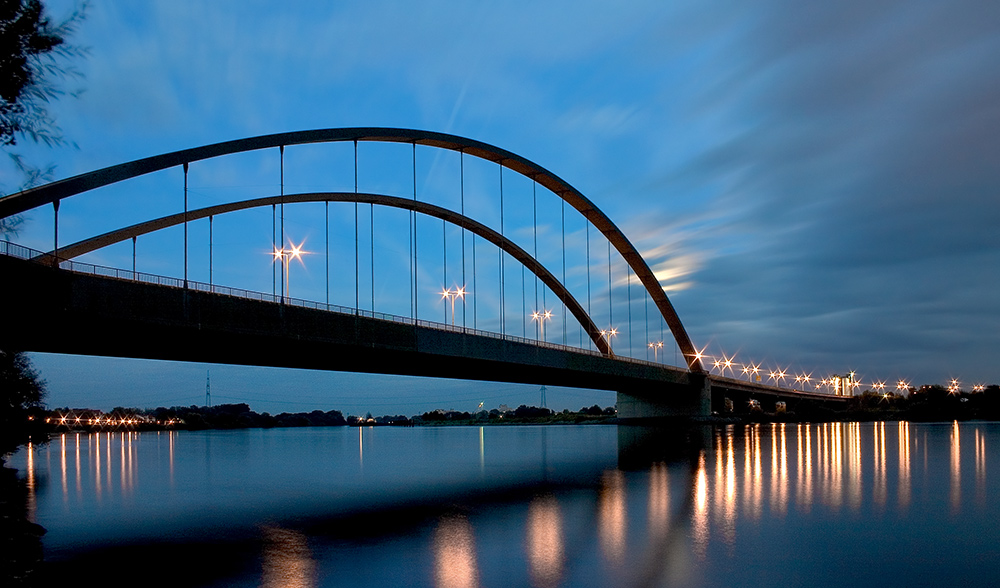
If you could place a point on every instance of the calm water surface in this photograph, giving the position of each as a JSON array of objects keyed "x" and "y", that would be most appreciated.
[{"x": 897, "y": 504}]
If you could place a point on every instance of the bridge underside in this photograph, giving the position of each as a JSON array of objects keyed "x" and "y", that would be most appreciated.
[{"x": 57, "y": 311}]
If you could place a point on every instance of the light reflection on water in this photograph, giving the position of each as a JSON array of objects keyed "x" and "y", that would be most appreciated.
[
  {"x": 732, "y": 506},
  {"x": 286, "y": 560},
  {"x": 545, "y": 541},
  {"x": 455, "y": 553}
]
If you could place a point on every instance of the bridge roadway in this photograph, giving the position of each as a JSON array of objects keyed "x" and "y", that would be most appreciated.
[{"x": 106, "y": 312}]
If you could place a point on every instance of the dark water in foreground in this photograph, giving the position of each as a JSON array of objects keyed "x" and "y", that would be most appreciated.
[{"x": 889, "y": 504}]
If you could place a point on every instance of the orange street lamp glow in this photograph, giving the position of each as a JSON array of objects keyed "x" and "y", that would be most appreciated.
[
  {"x": 608, "y": 334},
  {"x": 953, "y": 388},
  {"x": 727, "y": 364},
  {"x": 445, "y": 295},
  {"x": 285, "y": 256},
  {"x": 655, "y": 346},
  {"x": 541, "y": 317},
  {"x": 453, "y": 295}
]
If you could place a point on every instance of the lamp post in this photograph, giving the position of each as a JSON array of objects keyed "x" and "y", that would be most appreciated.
[
  {"x": 656, "y": 346},
  {"x": 295, "y": 252},
  {"x": 608, "y": 334},
  {"x": 284, "y": 257},
  {"x": 458, "y": 292},
  {"x": 279, "y": 256},
  {"x": 541, "y": 317},
  {"x": 445, "y": 295}
]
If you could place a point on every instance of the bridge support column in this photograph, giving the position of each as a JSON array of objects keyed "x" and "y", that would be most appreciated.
[{"x": 693, "y": 400}]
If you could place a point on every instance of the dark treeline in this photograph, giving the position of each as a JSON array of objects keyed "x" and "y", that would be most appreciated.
[
  {"x": 523, "y": 414},
  {"x": 239, "y": 416}
]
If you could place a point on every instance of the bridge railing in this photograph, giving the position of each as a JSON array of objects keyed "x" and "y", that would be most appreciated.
[{"x": 21, "y": 252}]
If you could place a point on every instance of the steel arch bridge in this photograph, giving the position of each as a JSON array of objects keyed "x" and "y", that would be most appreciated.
[{"x": 615, "y": 372}]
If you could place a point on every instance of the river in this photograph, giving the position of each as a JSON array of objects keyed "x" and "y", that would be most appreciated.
[{"x": 892, "y": 504}]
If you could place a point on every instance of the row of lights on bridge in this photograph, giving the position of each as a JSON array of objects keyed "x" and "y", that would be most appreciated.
[
  {"x": 751, "y": 371},
  {"x": 844, "y": 384},
  {"x": 286, "y": 255}
]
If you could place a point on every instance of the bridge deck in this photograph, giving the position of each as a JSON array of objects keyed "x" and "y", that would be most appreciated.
[
  {"x": 62, "y": 311},
  {"x": 119, "y": 313}
]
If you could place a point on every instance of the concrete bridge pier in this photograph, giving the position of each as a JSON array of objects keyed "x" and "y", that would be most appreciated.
[{"x": 671, "y": 401}]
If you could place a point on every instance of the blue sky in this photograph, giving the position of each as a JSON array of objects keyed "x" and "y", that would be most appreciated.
[{"x": 817, "y": 184}]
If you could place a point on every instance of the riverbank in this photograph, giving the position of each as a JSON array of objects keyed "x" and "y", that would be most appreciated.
[{"x": 927, "y": 404}]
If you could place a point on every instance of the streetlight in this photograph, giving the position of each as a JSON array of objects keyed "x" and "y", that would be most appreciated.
[
  {"x": 278, "y": 255},
  {"x": 727, "y": 364},
  {"x": 285, "y": 257},
  {"x": 453, "y": 295},
  {"x": 656, "y": 346},
  {"x": 296, "y": 252},
  {"x": 445, "y": 295},
  {"x": 541, "y": 317},
  {"x": 608, "y": 334}
]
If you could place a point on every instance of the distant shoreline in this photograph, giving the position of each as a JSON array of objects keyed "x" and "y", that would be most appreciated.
[{"x": 929, "y": 404}]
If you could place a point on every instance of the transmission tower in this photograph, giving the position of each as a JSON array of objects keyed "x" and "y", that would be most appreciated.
[
  {"x": 208, "y": 388},
  {"x": 543, "y": 396}
]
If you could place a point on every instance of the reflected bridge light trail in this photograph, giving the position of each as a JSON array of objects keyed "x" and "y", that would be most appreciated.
[
  {"x": 546, "y": 552},
  {"x": 455, "y": 561},
  {"x": 287, "y": 560},
  {"x": 784, "y": 468},
  {"x": 613, "y": 519}
]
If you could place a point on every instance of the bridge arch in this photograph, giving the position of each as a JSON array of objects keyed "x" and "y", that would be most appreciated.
[
  {"x": 450, "y": 216},
  {"x": 52, "y": 193}
]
